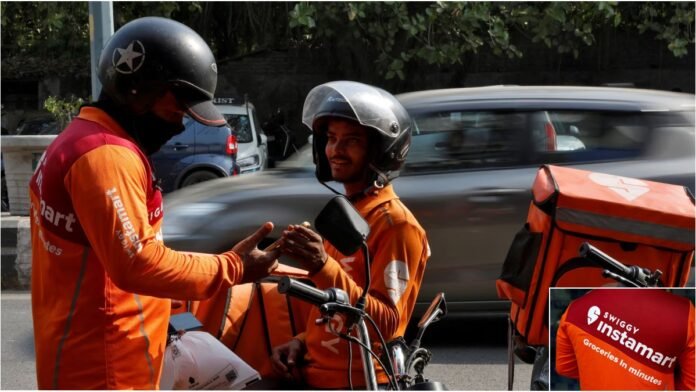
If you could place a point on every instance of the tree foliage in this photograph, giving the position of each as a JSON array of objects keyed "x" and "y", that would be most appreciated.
[
  {"x": 52, "y": 38},
  {"x": 444, "y": 33},
  {"x": 239, "y": 28},
  {"x": 48, "y": 38},
  {"x": 63, "y": 110},
  {"x": 44, "y": 37}
]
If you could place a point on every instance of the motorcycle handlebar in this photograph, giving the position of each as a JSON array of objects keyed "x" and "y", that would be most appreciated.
[
  {"x": 629, "y": 275},
  {"x": 590, "y": 252},
  {"x": 305, "y": 292}
]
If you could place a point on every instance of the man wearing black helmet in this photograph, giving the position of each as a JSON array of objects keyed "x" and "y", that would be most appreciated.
[
  {"x": 101, "y": 276},
  {"x": 361, "y": 135}
]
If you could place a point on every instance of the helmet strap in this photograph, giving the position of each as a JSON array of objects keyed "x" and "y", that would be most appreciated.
[
  {"x": 382, "y": 177},
  {"x": 330, "y": 188}
]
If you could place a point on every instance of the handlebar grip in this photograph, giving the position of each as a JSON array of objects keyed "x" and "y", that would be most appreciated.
[
  {"x": 307, "y": 293},
  {"x": 590, "y": 252}
]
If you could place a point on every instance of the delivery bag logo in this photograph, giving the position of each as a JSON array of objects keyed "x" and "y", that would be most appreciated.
[{"x": 628, "y": 188}]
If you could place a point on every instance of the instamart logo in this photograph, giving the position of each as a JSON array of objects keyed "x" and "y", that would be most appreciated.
[
  {"x": 625, "y": 333},
  {"x": 593, "y": 314}
]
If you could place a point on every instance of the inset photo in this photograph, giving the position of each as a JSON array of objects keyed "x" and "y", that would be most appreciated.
[{"x": 622, "y": 339}]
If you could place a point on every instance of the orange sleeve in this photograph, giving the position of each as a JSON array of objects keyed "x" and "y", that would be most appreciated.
[
  {"x": 108, "y": 191},
  {"x": 397, "y": 269},
  {"x": 302, "y": 337},
  {"x": 566, "y": 363},
  {"x": 684, "y": 379}
]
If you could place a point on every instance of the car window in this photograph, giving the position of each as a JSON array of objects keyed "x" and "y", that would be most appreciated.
[
  {"x": 465, "y": 139},
  {"x": 240, "y": 126},
  {"x": 591, "y": 135},
  {"x": 188, "y": 135}
]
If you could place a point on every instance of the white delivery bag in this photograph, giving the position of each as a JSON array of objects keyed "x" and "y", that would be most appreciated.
[{"x": 196, "y": 360}]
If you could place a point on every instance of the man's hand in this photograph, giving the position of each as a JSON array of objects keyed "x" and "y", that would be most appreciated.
[
  {"x": 305, "y": 246},
  {"x": 257, "y": 263},
  {"x": 286, "y": 356}
]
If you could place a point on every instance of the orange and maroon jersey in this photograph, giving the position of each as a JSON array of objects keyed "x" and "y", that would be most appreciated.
[
  {"x": 399, "y": 251},
  {"x": 628, "y": 339},
  {"x": 101, "y": 275}
]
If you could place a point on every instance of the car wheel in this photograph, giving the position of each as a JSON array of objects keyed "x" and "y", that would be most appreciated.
[{"x": 198, "y": 176}]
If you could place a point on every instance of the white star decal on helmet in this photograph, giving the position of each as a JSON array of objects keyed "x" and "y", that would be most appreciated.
[{"x": 129, "y": 60}]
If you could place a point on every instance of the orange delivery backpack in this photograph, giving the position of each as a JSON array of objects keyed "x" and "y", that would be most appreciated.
[
  {"x": 252, "y": 318},
  {"x": 637, "y": 222}
]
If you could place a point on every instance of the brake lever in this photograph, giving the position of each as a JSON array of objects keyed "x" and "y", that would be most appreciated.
[{"x": 654, "y": 278}]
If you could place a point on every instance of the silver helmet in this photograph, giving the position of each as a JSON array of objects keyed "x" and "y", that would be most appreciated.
[{"x": 371, "y": 107}]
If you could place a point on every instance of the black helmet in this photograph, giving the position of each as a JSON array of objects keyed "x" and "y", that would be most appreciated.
[
  {"x": 371, "y": 107},
  {"x": 148, "y": 56}
]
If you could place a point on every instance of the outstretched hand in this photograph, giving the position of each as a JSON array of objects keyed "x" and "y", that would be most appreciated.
[
  {"x": 257, "y": 263},
  {"x": 305, "y": 246}
]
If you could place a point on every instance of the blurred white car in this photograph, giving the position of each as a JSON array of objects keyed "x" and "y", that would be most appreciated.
[{"x": 252, "y": 154}]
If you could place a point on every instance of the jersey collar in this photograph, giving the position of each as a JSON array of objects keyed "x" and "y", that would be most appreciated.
[
  {"x": 96, "y": 115},
  {"x": 376, "y": 198}
]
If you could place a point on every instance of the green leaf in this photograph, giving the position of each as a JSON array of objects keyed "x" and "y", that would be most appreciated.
[{"x": 352, "y": 13}]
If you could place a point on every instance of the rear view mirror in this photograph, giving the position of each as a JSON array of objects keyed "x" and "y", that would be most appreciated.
[
  {"x": 341, "y": 224},
  {"x": 436, "y": 311}
]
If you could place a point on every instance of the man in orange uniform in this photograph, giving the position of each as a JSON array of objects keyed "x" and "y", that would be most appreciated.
[
  {"x": 628, "y": 339},
  {"x": 361, "y": 138},
  {"x": 101, "y": 276}
]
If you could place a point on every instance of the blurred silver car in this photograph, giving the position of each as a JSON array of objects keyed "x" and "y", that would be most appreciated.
[{"x": 474, "y": 155}]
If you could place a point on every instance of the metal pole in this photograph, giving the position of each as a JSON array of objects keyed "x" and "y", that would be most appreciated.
[{"x": 101, "y": 28}]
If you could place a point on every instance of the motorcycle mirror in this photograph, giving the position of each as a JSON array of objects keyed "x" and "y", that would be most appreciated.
[
  {"x": 436, "y": 311},
  {"x": 341, "y": 224}
]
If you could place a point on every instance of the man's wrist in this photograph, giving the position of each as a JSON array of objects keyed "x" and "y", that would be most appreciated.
[{"x": 318, "y": 267}]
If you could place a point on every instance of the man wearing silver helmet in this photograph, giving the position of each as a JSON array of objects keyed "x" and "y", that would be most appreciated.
[
  {"x": 101, "y": 275},
  {"x": 361, "y": 135}
]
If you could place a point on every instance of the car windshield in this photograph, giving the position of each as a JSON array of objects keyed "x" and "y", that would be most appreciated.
[{"x": 240, "y": 127}]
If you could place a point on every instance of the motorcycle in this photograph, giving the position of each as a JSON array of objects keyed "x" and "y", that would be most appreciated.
[{"x": 341, "y": 225}]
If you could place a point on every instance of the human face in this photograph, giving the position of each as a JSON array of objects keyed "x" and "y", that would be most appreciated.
[
  {"x": 346, "y": 150},
  {"x": 168, "y": 108}
]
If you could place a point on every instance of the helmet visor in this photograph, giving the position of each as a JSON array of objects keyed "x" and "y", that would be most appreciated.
[
  {"x": 205, "y": 113},
  {"x": 372, "y": 106}
]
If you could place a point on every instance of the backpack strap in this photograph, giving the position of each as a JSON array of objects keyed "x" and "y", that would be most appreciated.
[
  {"x": 278, "y": 307},
  {"x": 264, "y": 319},
  {"x": 225, "y": 310},
  {"x": 293, "y": 327},
  {"x": 246, "y": 314}
]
